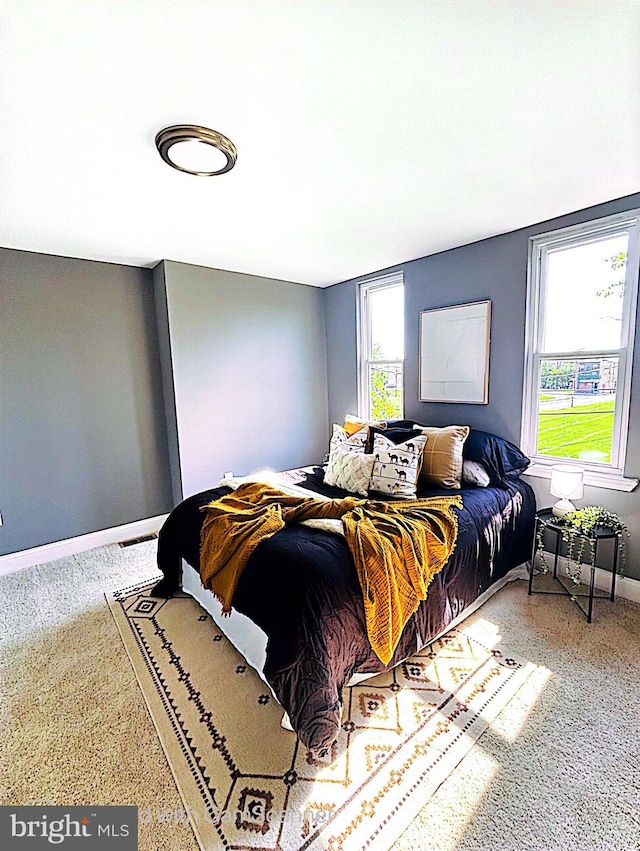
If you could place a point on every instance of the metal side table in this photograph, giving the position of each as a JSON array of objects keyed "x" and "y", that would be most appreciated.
[{"x": 546, "y": 519}]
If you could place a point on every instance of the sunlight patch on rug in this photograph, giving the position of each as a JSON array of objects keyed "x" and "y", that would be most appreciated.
[{"x": 247, "y": 783}]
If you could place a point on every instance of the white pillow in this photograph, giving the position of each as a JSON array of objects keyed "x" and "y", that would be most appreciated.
[
  {"x": 475, "y": 474},
  {"x": 396, "y": 465},
  {"x": 349, "y": 469},
  {"x": 356, "y": 442}
]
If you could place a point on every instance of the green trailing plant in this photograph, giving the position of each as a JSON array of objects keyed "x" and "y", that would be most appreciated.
[{"x": 578, "y": 533}]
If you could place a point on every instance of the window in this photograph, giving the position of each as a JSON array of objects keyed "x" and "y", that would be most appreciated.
[
  {"x": 381, "y": 353},
  {"x": 581, "y": 305}
]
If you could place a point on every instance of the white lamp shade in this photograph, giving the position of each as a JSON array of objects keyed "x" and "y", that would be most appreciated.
[{"x": 567, "y": 481}]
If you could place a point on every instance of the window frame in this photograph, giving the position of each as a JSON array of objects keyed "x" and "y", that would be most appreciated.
[
  {"x": 610, "y": 475},
  {"x": 363, "y": 323}
]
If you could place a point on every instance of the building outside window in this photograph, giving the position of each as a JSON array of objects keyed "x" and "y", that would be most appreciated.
[
  {"x": 381, "y": 348},
  {"x": 581, "y": 306}
]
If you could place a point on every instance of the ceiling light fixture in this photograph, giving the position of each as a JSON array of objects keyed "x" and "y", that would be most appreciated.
[{"x": 196, "y": 150}]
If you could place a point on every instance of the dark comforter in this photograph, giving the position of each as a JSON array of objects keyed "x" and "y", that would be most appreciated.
[{"x": 301, "y": 588}]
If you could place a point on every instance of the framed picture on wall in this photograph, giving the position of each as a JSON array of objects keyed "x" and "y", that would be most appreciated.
[{"x": 454, "y": 353}]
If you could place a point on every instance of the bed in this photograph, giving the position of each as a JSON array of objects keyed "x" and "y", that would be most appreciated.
[{"x": 298, "y": 614}]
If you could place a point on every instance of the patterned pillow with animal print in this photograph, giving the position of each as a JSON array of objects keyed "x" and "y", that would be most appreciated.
[
  {"x": 396, "y": 465},
  {"x": 355, "y": 442}
]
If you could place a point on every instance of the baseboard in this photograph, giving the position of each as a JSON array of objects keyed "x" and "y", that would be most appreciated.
[
  {"x": 60, "y": 549},
  {"x": 626, "y": 587}
]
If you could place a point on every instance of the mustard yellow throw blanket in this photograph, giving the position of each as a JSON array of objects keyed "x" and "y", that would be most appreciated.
[{"x": 397, "y": 547}]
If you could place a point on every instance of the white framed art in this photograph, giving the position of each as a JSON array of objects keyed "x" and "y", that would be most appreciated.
[{"x": 454, "y": 353}]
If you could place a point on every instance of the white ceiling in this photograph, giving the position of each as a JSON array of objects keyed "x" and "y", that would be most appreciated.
[{"x": 368, "y": 133}]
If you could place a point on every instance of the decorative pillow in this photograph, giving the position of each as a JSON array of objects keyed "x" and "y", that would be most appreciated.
[
  {"x": 501, "y": 459},
  {"x": 352, "y": 424},
  {"x": 442, "y": 458},
  {"x": 356, "y": 441},
  {"x": 473, "y": 473},
  {"x": 402, "y": 424},
  {"x": 397, "y": 435},
  {"x": 396, "y": 465},
  {"x": 349, "y": 470}
]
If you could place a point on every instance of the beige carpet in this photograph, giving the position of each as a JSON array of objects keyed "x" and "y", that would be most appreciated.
[
  {"x": 559, "y": 767},
  {"x": 245, "y": 781}
]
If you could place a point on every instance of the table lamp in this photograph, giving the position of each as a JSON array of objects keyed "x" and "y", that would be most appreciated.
[{"x": 567, "y": 482}]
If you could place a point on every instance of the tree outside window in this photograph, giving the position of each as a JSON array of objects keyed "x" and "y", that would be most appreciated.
[{"x": 382, "y": 348}]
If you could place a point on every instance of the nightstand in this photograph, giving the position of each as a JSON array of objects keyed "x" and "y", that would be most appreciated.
[{"x": 546, "y": 521}]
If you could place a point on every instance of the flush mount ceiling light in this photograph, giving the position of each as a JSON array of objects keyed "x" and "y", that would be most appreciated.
[{"x": 196, "y": 150}]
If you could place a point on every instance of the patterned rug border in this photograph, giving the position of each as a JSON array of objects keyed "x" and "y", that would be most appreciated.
[
  {"x": 177, "y": 743},
  {"x": 157, "y": 712}
]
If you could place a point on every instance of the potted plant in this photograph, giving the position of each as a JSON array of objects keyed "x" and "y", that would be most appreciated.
[{"x": 578, "y": 532}]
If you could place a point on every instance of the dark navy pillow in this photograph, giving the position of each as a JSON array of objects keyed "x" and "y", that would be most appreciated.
[
  {"x": 391, "y": 424},
  {"x": 503, "y": 460},
  {"x": 395, "y": 434},
  {"x": 391, "y": 432}
]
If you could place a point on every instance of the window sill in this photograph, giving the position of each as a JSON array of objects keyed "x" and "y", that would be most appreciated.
[{"x": 610, "y": 481}]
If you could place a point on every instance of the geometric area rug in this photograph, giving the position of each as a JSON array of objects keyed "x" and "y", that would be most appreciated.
[{"x": 247, "y": 783}]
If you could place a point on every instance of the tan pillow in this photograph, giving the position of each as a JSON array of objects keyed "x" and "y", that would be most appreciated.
[{"x": 442, "y": 456}]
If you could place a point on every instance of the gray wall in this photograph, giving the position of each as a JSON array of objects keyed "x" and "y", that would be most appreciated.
[
  {"x": 248, "y": 368},
  {"x": 493, "y": 269},
  {"x": 169, "y": 397},
  {"x": 82, "y": 432}
]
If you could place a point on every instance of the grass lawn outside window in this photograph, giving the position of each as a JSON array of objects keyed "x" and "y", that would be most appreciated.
[{"x": 582, "y": 432}]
